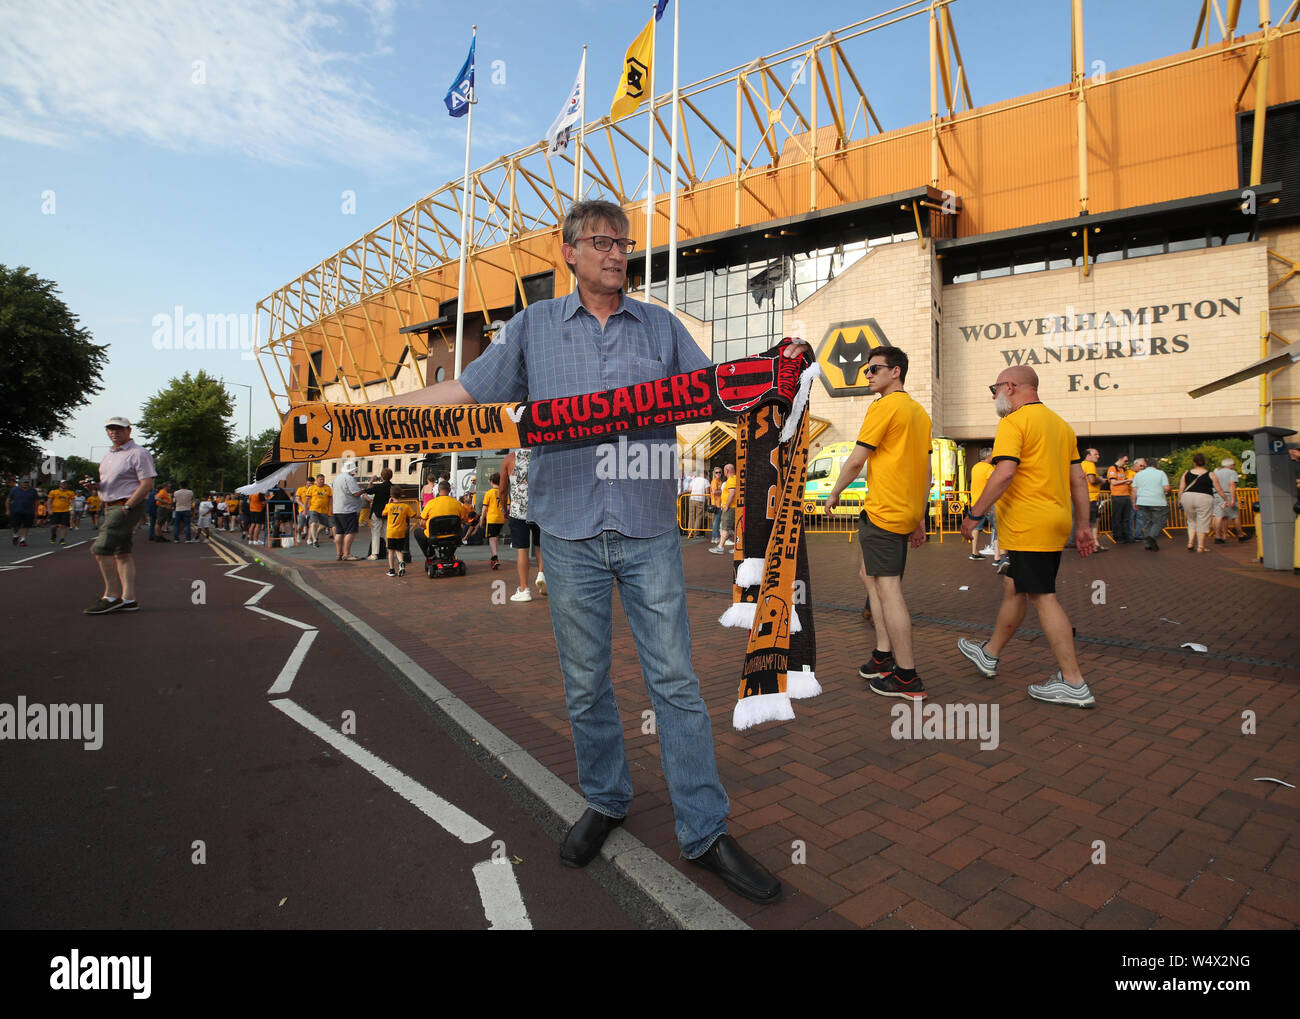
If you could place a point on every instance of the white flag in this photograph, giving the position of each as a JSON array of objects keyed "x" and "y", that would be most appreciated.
[{"x": 562, "y": 127}]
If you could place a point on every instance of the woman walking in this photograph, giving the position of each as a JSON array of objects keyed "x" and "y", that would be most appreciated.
[{"x": 1196, "y": 495}]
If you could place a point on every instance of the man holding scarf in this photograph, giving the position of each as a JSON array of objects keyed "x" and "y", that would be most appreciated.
[{"x": 597, "y": 530}]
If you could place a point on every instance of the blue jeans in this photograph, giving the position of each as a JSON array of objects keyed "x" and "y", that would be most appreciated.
[
  {"x": 580, "y": 579},
  {"x": 181, "y": 518},
  {"x": 717, "y": 526}
]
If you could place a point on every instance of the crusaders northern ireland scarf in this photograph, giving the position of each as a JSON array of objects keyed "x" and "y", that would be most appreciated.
[{"x": 768, "y": 392}]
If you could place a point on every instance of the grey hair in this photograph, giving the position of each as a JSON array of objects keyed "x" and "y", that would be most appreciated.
[
  {"x": 986, "y": 452},
  {"x": 584, "y": 214}
]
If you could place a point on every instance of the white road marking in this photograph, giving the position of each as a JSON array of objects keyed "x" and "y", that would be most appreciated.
[
  {"x": 3, "y": 568},
  {"x": 82, "y": 542},
  {"x": 37, "y": 556},
  {"x": 446, "y": 815},
  {"x": 499, "y": 890},
  {"x": 275, "y": 615},
  {"x": 291, "y": 667}
]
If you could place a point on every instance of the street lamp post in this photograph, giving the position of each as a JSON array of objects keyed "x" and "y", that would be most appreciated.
[{"x": 248, "y": 443}]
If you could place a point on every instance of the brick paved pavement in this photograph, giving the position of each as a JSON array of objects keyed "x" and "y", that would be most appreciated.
[{"x": 894, "y": 833}]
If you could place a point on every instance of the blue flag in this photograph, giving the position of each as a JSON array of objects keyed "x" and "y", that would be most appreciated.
[
  {"x": 660, "y": 7},
  {"x": 462, "y": 89}
]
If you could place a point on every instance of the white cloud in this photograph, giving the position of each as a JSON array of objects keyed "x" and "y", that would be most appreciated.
[{"x": 282, "y": 82}]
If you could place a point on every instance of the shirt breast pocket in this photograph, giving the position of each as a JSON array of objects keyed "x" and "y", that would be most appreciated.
[{"x": 634, "y": 368}]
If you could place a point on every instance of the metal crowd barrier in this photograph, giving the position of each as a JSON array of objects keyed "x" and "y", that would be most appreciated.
[{"x": 943, "y": 516}]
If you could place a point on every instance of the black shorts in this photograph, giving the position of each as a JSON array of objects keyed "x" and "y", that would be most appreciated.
[
  {"x": 524, "y": 535},
  {"x": 884, "y": 553},
  {"x": 23, "y": 520},
  {"x": 346, "y": 523},
  {"x": 402, "y": 544},
  {"x": 1093, "y": 512},
  {"x": 494, "y": 530},
  {"x": 60, "y": 519},
  {"x": 1034, "y": 572}
]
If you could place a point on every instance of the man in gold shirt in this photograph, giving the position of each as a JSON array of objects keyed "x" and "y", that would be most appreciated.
[
  {"x": 60, "y": 510},
  {"x": 1089, "y": 465},
  {"x": 320, "y": 500},
  {"x": 895, "y": 442},
  {"x": 1036, "y": 481}
]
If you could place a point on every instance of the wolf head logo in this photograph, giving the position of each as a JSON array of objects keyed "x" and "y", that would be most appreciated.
[{"x": 850, "y": 356}]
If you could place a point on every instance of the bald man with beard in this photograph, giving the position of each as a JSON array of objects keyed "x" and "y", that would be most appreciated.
[{"x": 1036, "y": 480}]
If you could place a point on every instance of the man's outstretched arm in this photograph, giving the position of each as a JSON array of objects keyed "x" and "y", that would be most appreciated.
[{"x": 437, "y": 395}]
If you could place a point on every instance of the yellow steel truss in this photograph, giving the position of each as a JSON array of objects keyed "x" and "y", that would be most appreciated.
[{"x": 803, "y": 104}]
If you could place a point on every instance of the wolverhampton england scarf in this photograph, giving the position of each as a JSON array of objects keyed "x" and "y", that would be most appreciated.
[{"x": 768, "y": 392}]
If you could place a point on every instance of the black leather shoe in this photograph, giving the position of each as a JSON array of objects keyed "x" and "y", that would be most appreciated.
[
  {"x": 739, "y": 871},
  {"x": 585, "y": 838}
]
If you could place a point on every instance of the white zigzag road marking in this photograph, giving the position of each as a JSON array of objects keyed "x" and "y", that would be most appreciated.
[{"x": 498, "y": 887}]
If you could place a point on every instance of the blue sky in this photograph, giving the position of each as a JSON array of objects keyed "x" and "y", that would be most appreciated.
[{"x": 160, "y": 154}]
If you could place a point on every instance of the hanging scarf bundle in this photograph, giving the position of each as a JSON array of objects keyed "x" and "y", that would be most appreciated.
[
  {"x": 771, "y": 591},
  {"x": 769, "y": 394}
]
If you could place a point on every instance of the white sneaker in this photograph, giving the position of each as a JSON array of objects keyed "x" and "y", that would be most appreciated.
[
  {"x": 523, "y": 594},
  {"x": 718, "y": 550},
  {"x": 987, "y": 550},
  {"x": 541, "y": 583},
  {"x": 729, "y": 543},
  {"x": 1057, "y": 691}
]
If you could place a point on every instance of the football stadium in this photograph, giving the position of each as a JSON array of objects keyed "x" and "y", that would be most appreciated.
[{"x": 1132, "y": 233}]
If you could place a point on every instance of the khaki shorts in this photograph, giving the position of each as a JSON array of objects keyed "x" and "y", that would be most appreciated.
[{"x": 117, "y": 530}]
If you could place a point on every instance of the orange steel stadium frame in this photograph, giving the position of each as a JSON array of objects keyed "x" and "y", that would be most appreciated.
[{"x": 786, "y": 134}]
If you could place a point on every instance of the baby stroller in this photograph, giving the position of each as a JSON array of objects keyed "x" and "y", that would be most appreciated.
[{"x": 444, "y": 539}]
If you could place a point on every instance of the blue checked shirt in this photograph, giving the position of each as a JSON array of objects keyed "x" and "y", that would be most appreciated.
[{"x": 557, "y": 348}]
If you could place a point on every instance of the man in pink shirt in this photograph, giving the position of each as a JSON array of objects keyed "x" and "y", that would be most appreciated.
[{"x": 126, "y": 477}]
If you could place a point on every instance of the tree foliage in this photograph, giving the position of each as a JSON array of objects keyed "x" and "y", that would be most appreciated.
[
  {"x": 50, "y": 366},
  {"x": 1180, "y": 460},
  {"x": 186, "y": 428}
]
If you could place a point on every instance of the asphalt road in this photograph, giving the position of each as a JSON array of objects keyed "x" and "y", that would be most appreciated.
[{"x": 334, "y": 802}]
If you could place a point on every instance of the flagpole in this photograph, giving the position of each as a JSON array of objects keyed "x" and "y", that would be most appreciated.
[
  {"x": 672, "y": 177},
  {"x": 650, "y": 148},
  {"x": 464, "y": 229},
  {"x": 582, "y": 121}
]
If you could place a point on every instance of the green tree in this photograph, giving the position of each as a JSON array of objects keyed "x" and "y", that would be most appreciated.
[
  {"x": 186, "y": 428},
  {"x": 77, "y": 467},
  {"x": 234, "y": 464},
  {"x": 49, "y": 369},
  {"x": 1180, "y": 460}
]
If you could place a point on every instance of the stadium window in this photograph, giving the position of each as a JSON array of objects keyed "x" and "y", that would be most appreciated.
[
  {"x": 1187, "y": 244},
  {"x": 1143, "y": 243},
  {"x": 965, "y": 277},
  {"x": 993, "y": 269},
  {"x": 370, "y": 467},
  {"x": 1062, "y": 258},
  {"x": 1107, "y": 248},
  {"x": 1028, "y": 261}
]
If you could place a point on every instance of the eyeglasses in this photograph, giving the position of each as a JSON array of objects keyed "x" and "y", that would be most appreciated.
[
  {"x": 993, "y": 389},
  {"x": 873, "y": 368},
  {"x": 602, "y": 243}
]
